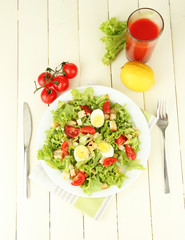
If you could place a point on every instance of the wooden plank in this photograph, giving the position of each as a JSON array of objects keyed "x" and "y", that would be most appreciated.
[
  {"x": 91, "y": 15},
  {"x": 167, "y": 209},
  {"x": 8, "y": 122},
  {"x": 63, "y": 46},
  {"x": 32, "y": 214},
  {"x": 178, "y": 35},
  {"x": 134, "y": 202}
]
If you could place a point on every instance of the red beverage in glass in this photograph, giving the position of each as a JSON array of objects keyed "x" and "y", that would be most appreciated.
[{"x": 144, "y": 27}]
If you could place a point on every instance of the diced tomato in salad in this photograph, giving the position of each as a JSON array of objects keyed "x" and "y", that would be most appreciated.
[
  {"x": 79, "y": 179},
  {"x": 121, "y": 140},
  {"x": 106, "y": 106},
  {"x": 130, "y": 152}
]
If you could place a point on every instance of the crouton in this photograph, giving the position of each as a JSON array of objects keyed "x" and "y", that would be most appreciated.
[
  {"x": 79, "y": 122},
  {"x": 81, "y": 114},
  {"x": 55, "y": 124},
  {"x": 106, "y": 116},
  {"x": 104, "y": 186},
  {"x": 121, "y": 147},
  {"x": 86, "y": 174},
  {"x": 113, "y": 126},
  {"x": 75, "y": 144},
  {"x": 72, "y": 172},
  {"x": 112, "y": 116},
  {"x": 65, "y": 175},
  {"x": 58, "y": 154},
  {"x": 72, "y": 123},
  {"x": 71, "y": 166},
  {"x": 129, "y": 136},
  {"x": 112, "y": 110},
  {"x": 101, "y": 160}
]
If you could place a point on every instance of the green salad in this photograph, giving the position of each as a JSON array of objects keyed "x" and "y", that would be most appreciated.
[{"x": 92, "y": 141}]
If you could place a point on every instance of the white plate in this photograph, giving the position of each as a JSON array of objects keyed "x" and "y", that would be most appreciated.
[{"x": 136, "y": 115}]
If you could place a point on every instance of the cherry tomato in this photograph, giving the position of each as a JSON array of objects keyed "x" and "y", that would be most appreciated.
[
  {"x": 72, "y": 131},
  {"x": 88, "y": 129},
  {"x": 109, "y": 161},
  {"x": 43, "y": 78},
  {"x": 121, "y": 139},
  {"x": 106, "y": 106},
  {"x": 70, "y": 70},
  {"x": 130, "y": 152},
  {"x": 86, "y": 109},
  {"x": 65, "y": 146},
  {"x": 79, "y": 179},
  {"x": 60, "y": 83},
  {"x": 48, "y": 95}
]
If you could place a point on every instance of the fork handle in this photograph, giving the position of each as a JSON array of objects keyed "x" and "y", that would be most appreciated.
[{"x": 166, "y": 179}]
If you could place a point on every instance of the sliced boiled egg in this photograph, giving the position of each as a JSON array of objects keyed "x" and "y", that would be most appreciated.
[
  {"x": 106, "y": 149},
  {"x": 97, "y": 118},
  {"x": 81, "y": 153}
]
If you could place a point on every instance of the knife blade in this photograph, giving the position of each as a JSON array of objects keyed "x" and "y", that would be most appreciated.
[{"x": 27, "y": 129}]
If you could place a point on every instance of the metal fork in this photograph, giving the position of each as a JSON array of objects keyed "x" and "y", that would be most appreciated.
[{"x": 162, "y": 115}]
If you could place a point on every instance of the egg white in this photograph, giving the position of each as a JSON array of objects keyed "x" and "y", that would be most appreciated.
[
  {"x": 109, "y": 153},
  {"x": 95, "y": 114},
  {"x": 77, "y": 158}
]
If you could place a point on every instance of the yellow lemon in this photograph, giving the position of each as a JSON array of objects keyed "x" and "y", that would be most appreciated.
[{"x": 137, "y": 76}]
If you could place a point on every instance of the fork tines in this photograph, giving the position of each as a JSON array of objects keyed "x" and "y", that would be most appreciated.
[{"x": 162, "y": 110}]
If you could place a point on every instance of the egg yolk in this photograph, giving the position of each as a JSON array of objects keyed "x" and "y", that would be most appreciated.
[
  {"x": 98, "y": 120},
  {"x": 82, "y": 152},
  {"x": 104, "y": 147}
]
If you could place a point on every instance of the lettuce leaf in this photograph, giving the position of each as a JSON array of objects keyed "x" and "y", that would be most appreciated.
[
  {"x": 91, "y": 185},
  {"x": 115, "y": 39},
  {"x": 134, "y": 164}
]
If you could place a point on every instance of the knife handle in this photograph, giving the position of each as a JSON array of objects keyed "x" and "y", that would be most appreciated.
[{"x": 26, "y": 172}]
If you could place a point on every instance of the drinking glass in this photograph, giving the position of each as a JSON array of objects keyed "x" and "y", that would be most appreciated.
[{"x": 140, "y": 23}]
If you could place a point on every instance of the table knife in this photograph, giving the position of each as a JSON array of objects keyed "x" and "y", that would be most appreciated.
[{"x": 27, "y": 129}]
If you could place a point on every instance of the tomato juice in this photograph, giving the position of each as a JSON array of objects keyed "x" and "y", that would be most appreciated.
[
  {"x": 142, "y": 34},
  {"x": 144, "y": 29}
]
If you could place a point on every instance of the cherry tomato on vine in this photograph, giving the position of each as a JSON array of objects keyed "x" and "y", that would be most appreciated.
[
  {"x": 88, "y": 129},
  {"x": 79, "y": 179},
  {"x": 70, "y": 70},
  {"x": 60, "y": 83},
  {"x": 106, "y": 106},
  {"x": 48, "y": 95},
  {"x": 109, "y": 161},
  {"x": 43, "y": 78},
  {"x": 130, "y": 152},
  {"x": 65, "y": 146},
  {"x": 72, "y": 131}
]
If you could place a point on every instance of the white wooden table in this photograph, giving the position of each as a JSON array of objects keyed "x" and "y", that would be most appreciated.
[{"x": 40, "y": 33}]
